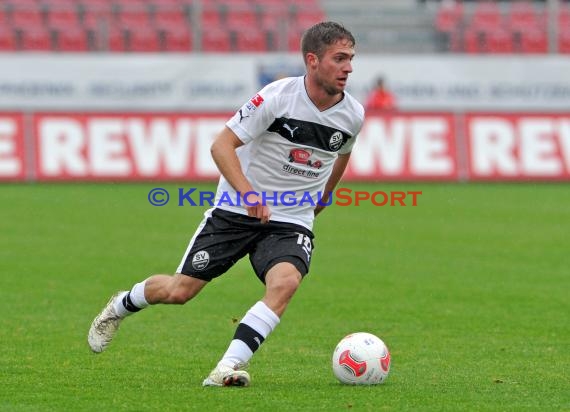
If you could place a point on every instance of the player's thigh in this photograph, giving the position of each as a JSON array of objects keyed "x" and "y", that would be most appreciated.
[
  {"x": 216, "y": 246},
  {"x": 294, "y": 246}
]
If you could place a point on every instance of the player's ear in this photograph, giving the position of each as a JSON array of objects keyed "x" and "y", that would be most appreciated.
[{"x": 312, "y": 60}]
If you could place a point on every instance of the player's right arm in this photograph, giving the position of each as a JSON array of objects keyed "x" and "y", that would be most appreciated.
[{"x": 223, "y": 152}]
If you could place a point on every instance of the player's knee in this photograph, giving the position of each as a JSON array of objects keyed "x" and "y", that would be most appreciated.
[
  {"x": 292, "y": 282},
  {"x": 286, "y": 285},
  {"x": 182, "y": 288}
]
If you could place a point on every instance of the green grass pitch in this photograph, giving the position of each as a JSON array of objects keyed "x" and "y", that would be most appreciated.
[{"x": 470, "y": 290}]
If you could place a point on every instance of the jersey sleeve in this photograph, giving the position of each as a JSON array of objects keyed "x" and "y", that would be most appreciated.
[
  {"x": 347, "y": 147},
  {"x": 254, "y": 117},
  {"x": 357, "y": 126}
]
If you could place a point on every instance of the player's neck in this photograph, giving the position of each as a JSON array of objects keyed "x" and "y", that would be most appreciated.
[{"x": 320, "y": 98}]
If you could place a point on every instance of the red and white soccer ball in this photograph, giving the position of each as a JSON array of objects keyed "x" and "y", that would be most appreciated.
[{"x": 361, "y": 359}]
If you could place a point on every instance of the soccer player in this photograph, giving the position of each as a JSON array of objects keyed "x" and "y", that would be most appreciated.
[{"x": 294, "y": 136}]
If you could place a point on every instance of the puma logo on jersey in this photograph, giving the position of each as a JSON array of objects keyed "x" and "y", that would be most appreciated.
[
  {"x": 292, "y": 131},
  {"x": 241, "y": 116}
]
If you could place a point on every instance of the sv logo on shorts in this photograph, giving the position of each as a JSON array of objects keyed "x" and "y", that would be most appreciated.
[{"x": 200, "y": 260}]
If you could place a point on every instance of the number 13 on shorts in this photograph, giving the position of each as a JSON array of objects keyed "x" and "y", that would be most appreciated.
[{"x": 306, "y": 245}]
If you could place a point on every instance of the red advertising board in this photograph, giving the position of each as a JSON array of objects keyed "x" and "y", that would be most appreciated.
[
  {"x": 392, "y": 147},
  {"x": 125, "y": 146},
  {"x": 12, "y": 148},
  {"x": 405, "y": 146},
  {"x": 518, "y": 146}
]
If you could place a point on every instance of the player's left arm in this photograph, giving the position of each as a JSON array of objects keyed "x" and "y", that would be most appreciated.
[{"x": 338, "y": 170}]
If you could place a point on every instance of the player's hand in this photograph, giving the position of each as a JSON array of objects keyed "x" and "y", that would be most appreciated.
[
  {"x": 319, "y": 209},
  {"x": 256, "y": 208},
  {"x": 322, "y": 203}
]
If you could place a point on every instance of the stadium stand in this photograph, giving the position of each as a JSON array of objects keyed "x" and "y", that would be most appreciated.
[
  {"x": 564, "y": 41},
  {"x": 387, "y": 26},
  {"x": 533, "y": 40},
  {"x": 34, "y": 38},
  {"x": 154, "y": 25},
  {"x": 7, "y": 39},
  {"x": 71, "y": 39},
  {"x": 521, "y": 26},
  {"x": 216, "y": 39},
  {"x": 176, "y": 39}
]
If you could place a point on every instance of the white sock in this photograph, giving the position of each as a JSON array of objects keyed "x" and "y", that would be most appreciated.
[
  {"x": 137, "y": 295},
  {"x": 256, "y": 325},
  {"x": 137, "y": 300}
]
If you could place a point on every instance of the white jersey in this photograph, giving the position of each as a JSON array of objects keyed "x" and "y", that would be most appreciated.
[{"x": 289, "y": 149}]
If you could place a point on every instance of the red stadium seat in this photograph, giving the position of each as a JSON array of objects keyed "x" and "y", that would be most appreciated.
[
  {"x": 177, "y": 40},
  {"x": 472, "y": 41},
  {"x": 131, "y": 5},
  {"x": 564, "y": 40},
  {"x": 103, "y": 5},
  {"x": 72, "y": 40},
  {"x": 486, "y": 16},
  {"x": 211, "y": 18},
  {"x": 273, "y": 7},
  {"x": 97, "y": 19},
  {"x": 273, "y": 40},
  {"x": 35, "y": 39},
  {"x": 116, "y": 41},
  {"x": 233, "y": 3},
  {"x": 58, "y": 4},
  {"x": 62, "y": 17},
  {"x": 534, "y": 41},
  {"x": 7, "y": 39},
  {"x": 273, "y": 19},
  {"x": 305, "y": 17},
  {"x": 143, "y": 40},
  {"x": 499, "y": 41},
  {"x": 26, "y": 17},
  {"x": 523, "y": 16},
  {"x": 170, "y": 18},
  {"x": 449, "y": 17},
  {"x": 294, "y": 39},
  {"x": 564, "y": 17},
  {"x": 133, "y": 19},
  {"x": 20, "y": 4},
  {"x": 251, "y": 40},
  {"x": 241, "y": 19},
  {"x": 166, "y": 4},
  {"x": 216, "y": 40}
]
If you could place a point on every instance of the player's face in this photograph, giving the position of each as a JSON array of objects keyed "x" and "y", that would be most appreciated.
[{"x": 334, "y": 67}]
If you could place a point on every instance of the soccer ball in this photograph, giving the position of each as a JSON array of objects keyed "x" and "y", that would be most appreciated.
[{"x": 361, "y": 359}]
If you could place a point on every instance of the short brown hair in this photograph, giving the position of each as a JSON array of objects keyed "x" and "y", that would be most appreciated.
[{"x": 318, "y": 37}]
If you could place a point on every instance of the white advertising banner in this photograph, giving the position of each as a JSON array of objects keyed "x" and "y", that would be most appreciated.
[
  {"x": 461, "y": 83},
  {"x": 198, "y": 83},
  {"x": 126, "y": 82}
]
